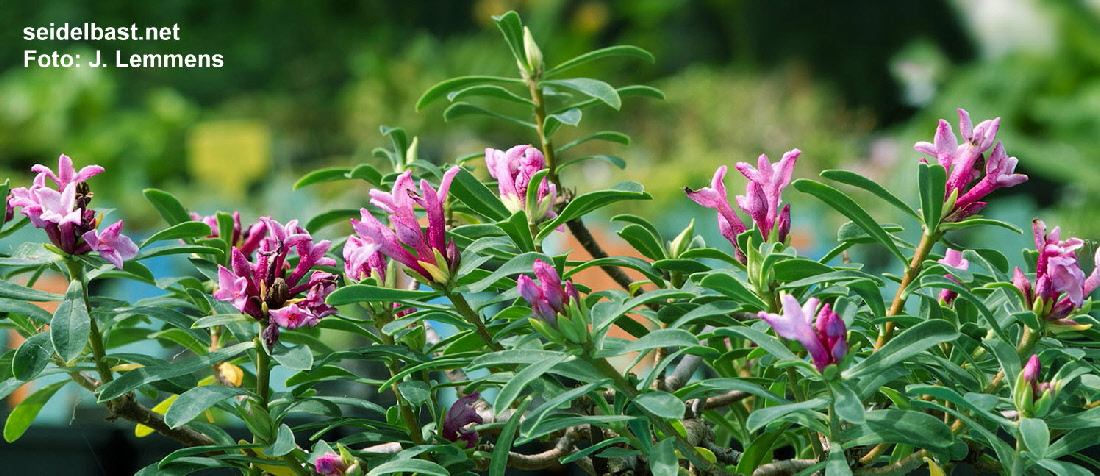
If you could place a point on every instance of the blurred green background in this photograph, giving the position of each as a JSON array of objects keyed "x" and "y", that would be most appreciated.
[{"x": 307, "y": 84}]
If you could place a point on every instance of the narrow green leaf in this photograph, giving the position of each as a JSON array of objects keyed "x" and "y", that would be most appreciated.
[
  {"x": 643, "y": 241},
  {"x": 734, "y": 288},
  {"x": 31, "y": 357},
  {"x": 409, "y": 466},
  {"x": 593, "y": 88},
  {"x": 220, "y": 320},
  {"x": 931, "y": 180},
  {"x": 837, "y": 464},
  {"x": 518, "y": 230},
  {"x": 849, "y": 208},
  {"x": 610, "y": 136},
  {"x": 70, "y": 326},
  {"x": 1063, "y": 468},
  {"x": 848, "y": 406},
  {"x": 656, "y": 339},
  {"x": 471, "y": 191},
  {"x": 662, "y": 460},
  {"x": 1036, "y": 436},
  {"x": 981, "y": 221},
  {"x": 180, "y": 231},
  {"x": 460, "y": 109},
  {"x": 588, "y": 202},
  {"x": 662, "y": 404},
  {"x": 284, "y": 442},
  {"x": 23, "y": 414},
  {"x": 331, "y": 174},
  {"x": 195, "y": 401},
  {"x": 10, "y": 290},
  {"x": 571, "y": 116},
  {"x": 763, "y": 416},
  {"x": 861, "y": 181},
  {"x": 331, "y": 217},
  {"x": 440, "y": 90},
  {"x": 522, "y": 380},
  {"x": 144, "y": 375},
  {"x": 38, "y": 315},
  {"x": 611, "y": 159},
  {"x": 531, "y": 421},
  {"x": 489, "y": 90},
  {"x": 618, "y": 50},
  {"x": 909, "y": 427},
  {"x": 178, "y": 250},
  {"x": 169, "y": 208},
  {"x": 770, "y": 344},
  {"x": 523, "y": 263},
  {"x": 360, "y": 293},
  {"x": 367, "y": 173},
  {"x": 499, "y": 462},
  {"x": 913, "y": 340},
  {"x": 298, "y": 358},
  {"x": 512, "y": 28}
]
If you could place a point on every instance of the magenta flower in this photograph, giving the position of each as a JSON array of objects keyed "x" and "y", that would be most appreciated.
[
  {"x": 954, "y": 259},
  {"x": 1059, "y": 284},
  {"x": 112, "y": 245},
  {"x": 826, "y": 339},
  {"x": 461, "y": 414},
  {"x": 362, "y": 259},
  {"x": 66, "y": 174},
  {"x": 9, "y": 209},
  {"x": 968, "y": 179},
  {"x": 427, "y": 253},
  {"x": 761, "y": 199},
  {"x": 513, "y": 170},
  {"x": 330, "y": 464},
  {"x": 64, "y": 214},
  {"x": 549, "y": 297},
  {"x": 266, "y": 287}
]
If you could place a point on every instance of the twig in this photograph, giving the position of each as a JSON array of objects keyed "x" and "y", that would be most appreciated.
[{"x": 784, "y": 468}]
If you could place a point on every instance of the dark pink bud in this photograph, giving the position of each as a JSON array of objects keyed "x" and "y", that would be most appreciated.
[{"x": 461, "y": 414}]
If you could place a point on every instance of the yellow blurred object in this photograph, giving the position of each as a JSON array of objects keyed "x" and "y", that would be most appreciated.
[
  {"x": 590, "y": 18},
  {"x": 228, "y": 374},
  {"x": 933, "y": 468},
  {"x": 142, "y": 430},
  {"x": 227, "y": 155},
  {"x": 125, "y": 367},
  {"x": 267, "y": 468}
]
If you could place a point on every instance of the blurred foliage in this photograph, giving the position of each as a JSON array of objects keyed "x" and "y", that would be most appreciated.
[{"x": 742, "y": 78}]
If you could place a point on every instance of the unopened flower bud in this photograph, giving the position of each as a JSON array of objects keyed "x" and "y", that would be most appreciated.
[{"x": 532, "y": 53}]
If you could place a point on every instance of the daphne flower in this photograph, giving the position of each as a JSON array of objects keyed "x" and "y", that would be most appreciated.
[
  {"x": 826, "y": 339},
  {"x": 461, "y": 414},
  {"x": 1032, "y": 397},
  {"x": 330, "y": 464},
  {"x": 266, "y": 288},
  {"x": 427, "y": 253},
  {"x": 362, "y": 259},
  {"x": 761, "y": 200},
  {"x": 954, "y": 259},
  {"x": 1060, "y": 285},
  {"x": 112, "y": 245},
  {"x": 549, "y": 297},
  {"x": 968, "y": 179},
  {"x": 66, "y": 174},
  {"x": 513, "y": 170}
]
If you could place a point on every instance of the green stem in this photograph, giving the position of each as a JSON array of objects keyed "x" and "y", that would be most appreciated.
[
  {"x": 800, "y": 396},
  {"x": 263, "y": 373},
  {"x": 927, "y": 240},
  {"x": 472, "y": 317},
  {"x": 99, "y": 353},
  {"x": 407, "y": 415},
  {"x": 686, "y": 448}
]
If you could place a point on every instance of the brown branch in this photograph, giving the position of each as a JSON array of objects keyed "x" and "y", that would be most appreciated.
[
  {"x": 903, "y": 466},
  {"x": 784, "y": 468},
  {"x": 588, "y": 242}
]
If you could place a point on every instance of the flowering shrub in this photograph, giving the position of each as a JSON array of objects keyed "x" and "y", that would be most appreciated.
[{"x": 757, "y": 360}]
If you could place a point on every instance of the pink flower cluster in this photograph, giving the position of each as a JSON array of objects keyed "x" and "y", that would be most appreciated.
[
  {"x": 64, "y": 214},
  {"x": 761, "y": 199},
  {"x": 549, "y": 297},
  {"x": 971, "y": 176},
  {"x": 1060, "y": 286},
  {"x": 427, "y": 253},
  {"x": 330, "y": 464},
  {"x": 513, "y": 170},
  {"x": 266, "y": 288},
  {"x": 826, "y": 338}
]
